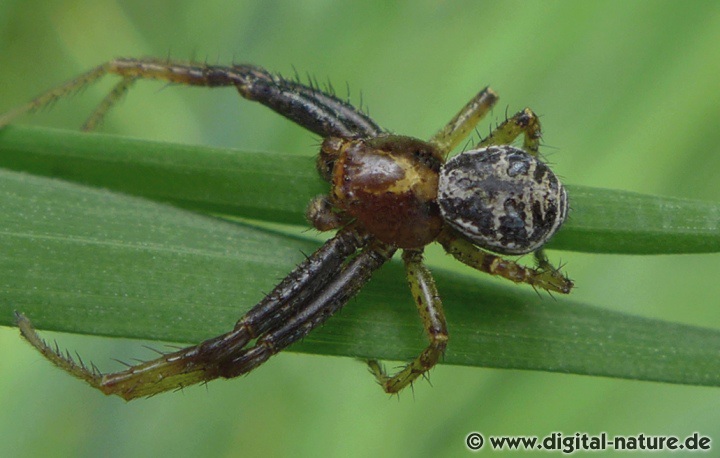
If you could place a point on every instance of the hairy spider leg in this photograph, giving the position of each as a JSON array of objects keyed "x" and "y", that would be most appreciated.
[
  {"x": 429, "y": 304},
  {"x": 321, "y": 113},
  {"x": 523, "y": 122},
  {"x": 332, "y": 298},
  {"x": 117, "y": 92},
  {"x": 54, "y": 94},
  {"x": 199, "y": 363},
  {"x": 303, "y": 283},
  {"x": 464, "y": 121},
  {"x": 546, "y": 277}
]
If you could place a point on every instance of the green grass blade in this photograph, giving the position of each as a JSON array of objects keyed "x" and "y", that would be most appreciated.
[
  {"x": 276, "y": 187},
  {"x": 89, "y": 261},
  {"x": 267, "y": 186}
]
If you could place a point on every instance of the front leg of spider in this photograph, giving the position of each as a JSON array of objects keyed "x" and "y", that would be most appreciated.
[
  {"x": 388, "y": 192},
  {"x": 321, "y": 272},
  {"x": 303, "y": 300}
]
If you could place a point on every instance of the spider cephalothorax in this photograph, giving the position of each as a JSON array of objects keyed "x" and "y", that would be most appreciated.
[
  {"x": 389, "y": 184},
  {"x": 388, "y": 192}
]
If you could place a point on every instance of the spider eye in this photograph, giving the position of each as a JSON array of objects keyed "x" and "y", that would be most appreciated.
[{"x": 502, "y": 199}]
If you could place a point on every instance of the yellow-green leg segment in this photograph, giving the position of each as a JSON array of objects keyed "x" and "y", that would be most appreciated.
[
  {"x": 523, "y": 122},
  {"x": 465, "y": 121},
  {"x": 545, "y": 276},
  {"x": 427, "y": 299}
]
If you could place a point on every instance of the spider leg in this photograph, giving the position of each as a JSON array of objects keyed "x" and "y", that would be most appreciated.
[
  {"x": 464, "y": 121},
  {"x": 54, "y": 94},
  {"x": 523, "y": 122},
  {"x": 545, "y": 277},
  {"x": 427, "y": 299},
  {"x": 333, "y": 297},
  {"x": 117, "y": 93},
  {"x": 319, "y": 112},
  {"x": 198, "y": 363}
]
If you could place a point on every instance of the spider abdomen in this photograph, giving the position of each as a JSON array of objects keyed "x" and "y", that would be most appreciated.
[
  {"x": 389, "y": 184},
  {"x": 502, "y": 199}
]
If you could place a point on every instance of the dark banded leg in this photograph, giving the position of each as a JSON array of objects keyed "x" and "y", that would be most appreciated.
[
  {"x": 427, "y": 299},
  {"x": 321, "y": 113},
  {"x": 545, "y": 277},
  {"x": 328, "y": 301},
  {"x": 199, "y": 363}
]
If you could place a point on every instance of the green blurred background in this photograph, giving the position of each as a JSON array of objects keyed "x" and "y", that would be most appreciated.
[{"x": 629, "y": 96}]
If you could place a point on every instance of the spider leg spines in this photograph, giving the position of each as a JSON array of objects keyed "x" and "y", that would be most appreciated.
[
  {"x": 55, "y": 355},
  {"x": 306, "y": 105},
  {"x": 182, "y": 368},
  {"x": 304, "y": 281},
  {"x": 545, "y": 277},
  {"x": 203, "y": 362},
  {"x": 120, "y": 89},
  {"x": 424, "y": 291},
  {"x": 314, "y": 312},
  {"x": 524, "y": 122},
  {"x": 321, "y": 113},
  {"x": 54, "y": 94}
]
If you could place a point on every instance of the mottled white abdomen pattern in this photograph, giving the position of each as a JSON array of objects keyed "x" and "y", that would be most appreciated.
[{"x": 502, "y": 199}]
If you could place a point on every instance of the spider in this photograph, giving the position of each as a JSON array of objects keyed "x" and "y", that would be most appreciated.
[{"x": 387, "y": 193}]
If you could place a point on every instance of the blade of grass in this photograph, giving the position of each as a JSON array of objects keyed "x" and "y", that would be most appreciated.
[
  {"x": 276, "y": 187},
  {"x": 89, "y": 261},
  {"x": 266, "y": 186}
]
